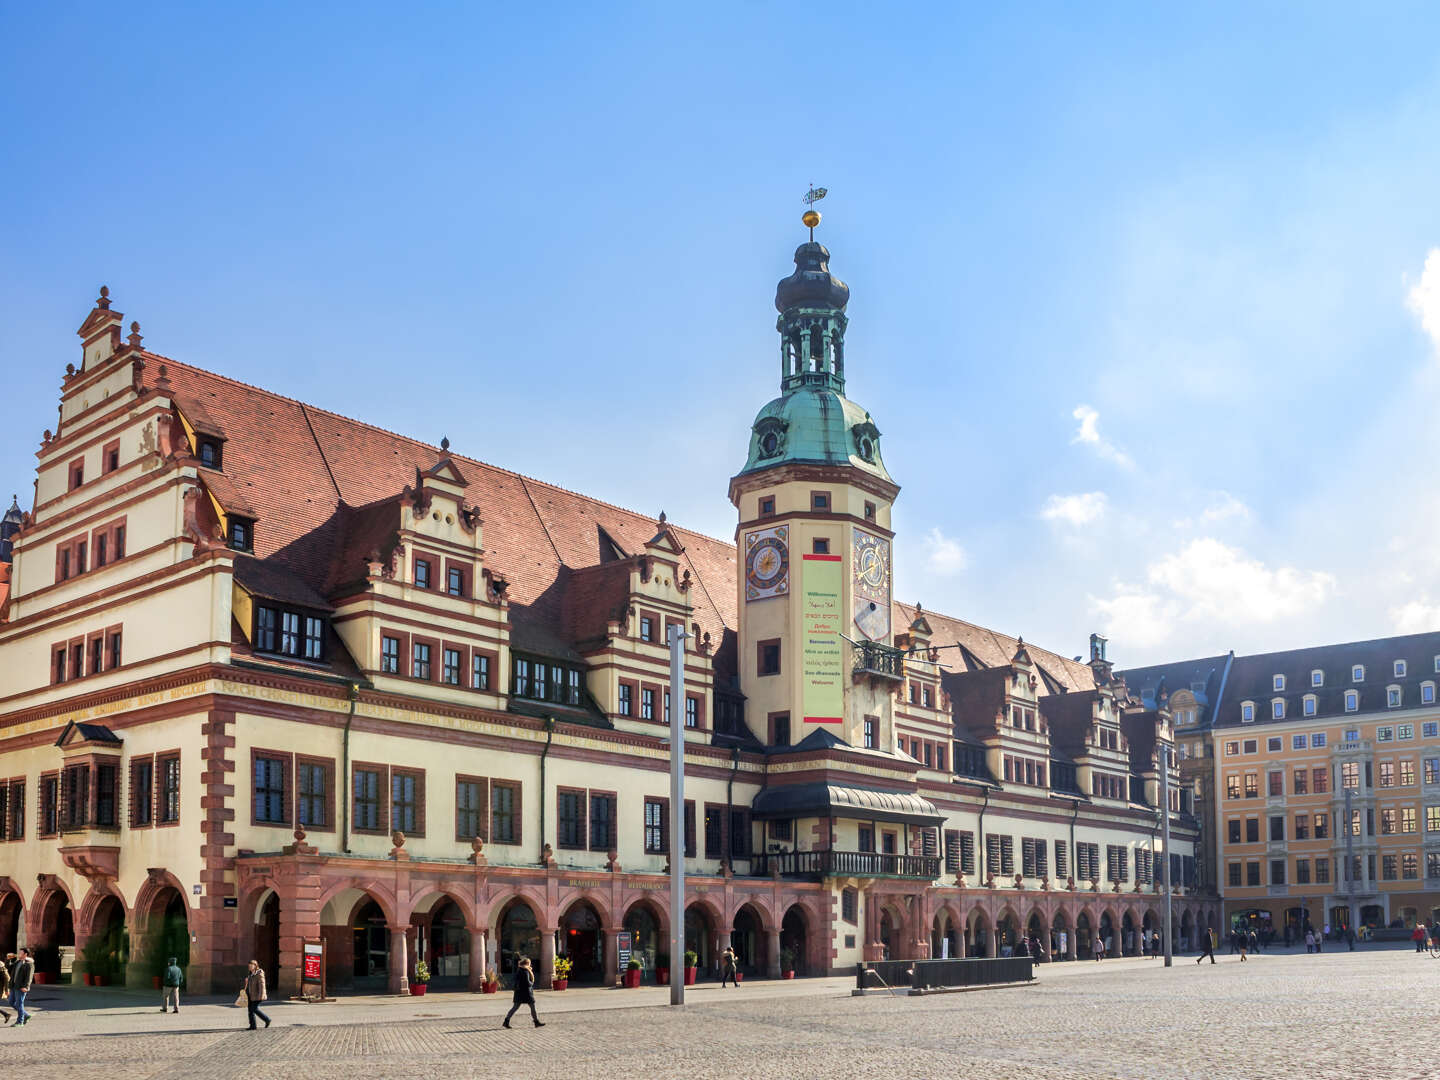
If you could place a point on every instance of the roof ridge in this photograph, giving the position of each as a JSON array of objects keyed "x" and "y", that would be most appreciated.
[{"x": 310, "y": 406}]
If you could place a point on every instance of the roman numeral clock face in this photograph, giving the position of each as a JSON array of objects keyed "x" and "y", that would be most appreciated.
[
  {"x": 871, "y": 559},
  {"x": 767, "y": 563}
]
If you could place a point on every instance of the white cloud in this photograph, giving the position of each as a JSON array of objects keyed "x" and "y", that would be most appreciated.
[
  {"x": 1209, "y": 583},
  {"x": 943, "y": 557},
  {"x": 1224, "y": 505},
  {"x": 1088, "y": 434},
  {"x": 1423, "y": 299},
  {"x": 1415, "y": 617},
  {"x": 1075, "y": 510}
]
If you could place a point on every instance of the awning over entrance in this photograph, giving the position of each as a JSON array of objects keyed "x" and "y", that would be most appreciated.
[{"x": 835, "y": 800}]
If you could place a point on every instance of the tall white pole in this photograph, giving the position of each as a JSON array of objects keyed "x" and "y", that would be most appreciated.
[
  {"x": 676, "y": 638},
  {"x": 1165, "y": 845}
]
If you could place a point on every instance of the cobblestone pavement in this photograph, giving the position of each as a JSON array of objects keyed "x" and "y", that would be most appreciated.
[{"x": 1337, "y": 1015}]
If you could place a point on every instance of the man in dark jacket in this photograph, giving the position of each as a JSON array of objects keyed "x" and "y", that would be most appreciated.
[
  {"x": 1207, "y": 946},
  {"x": 20, "y": 982},
  {"x": 524, "y": 992},
  {"x": 172, "y": 981}
]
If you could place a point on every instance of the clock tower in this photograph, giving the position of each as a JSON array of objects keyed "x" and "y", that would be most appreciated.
[{"x": 814, "y": 535}]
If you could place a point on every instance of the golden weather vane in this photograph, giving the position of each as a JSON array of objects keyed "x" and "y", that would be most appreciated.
[{"x": 811, "y": 217}]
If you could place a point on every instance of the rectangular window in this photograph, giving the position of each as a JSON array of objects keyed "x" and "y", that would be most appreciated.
[
  {"x": 570, "y": 819},
  {"x": 1252, "y": 830},
  {"x": 102, "y": 549},
  {"x": 768, "y": 660},
  {"x": 820, "y": 546},
  {"x": 49, "y": 805},
  {"x": 870, "y": 724},
  {"x": 627, "y": 700},
  {"x": 504, "y": 812},
  {"x": 647, "y": 628},
  {"x": 1406, "y": 731},
  {"x": 767, "y": 506},
  {"x": 1317, "y": 740},
  {"x": 312, "y": 808},
  {"x": 265, "y": 625},
  {"x": 1232, "y": 786},
  {"x": 688, "y": 812},
  {"x": 1233, "y": 830},
  {"x": 365, "y": 799},
  {"x": 1321, "y": 775},
  {"x": 1234, "y": 874},
  {"x": 1277, "y": 871},
  {"x": 1252, "y": 874},
  {"x": 142, "y": 793},
  {"x": 1322, "y": 825},
  {"x": 97, "y": 654},
  {"x": 1384, "y": 734},
  {"x": 450, "y": 667},
  {"x": 1350, "y": 774},
  {"x": 270, "y": 791},
  {"x": 169, "y": 789},
  {"x": 420, "y": 660},
  {"x": 119, "y": 541},
  {"x": 107, "y": 793},
  {"x": 1407, "y": 772},
  {"x": 1277, "y": 827},
  {"x": 654, "y": 827},
  {"x": 1276, "y": 782},
  {"x": 820, "y": 501},
  {"x": 1389, "y": 864},
  {"x": 538, "y": 687},
  {"x": 1432, "y": 770},
  {"x": 1302, "y": 781},
  {"x": 290, "y": 633},
  {"x": 390, "y": 655},
  {"x": 479, "y": 671},
  {"x": 780, "y": 729},
  {"x": 1297, "y": 742},
  {"x": 314, "y": 638},
  {"x": 1387, "y": 821},
  {"x": 865, "y": 838},
  {"x": 602, "y": 823},
  {"x": 647, "y": 704},
  {"x": 572, "y": 686},
  {"x": 406, "y": 802},
  {"x": 714, "y": 832},
  {"x": 1409, "y": 866},
  {"x": 739, "y": 834},
  {"x": 1252, "y": 785},
  {"x": 692, "y": 711},
  {"x": 455, "y": 581},
  {"x": 422, "y": 573},
  {"x": 469, "y": 809},
  {"x": 1407, "y": 819},
  {"x": 1387, "y": 774}
]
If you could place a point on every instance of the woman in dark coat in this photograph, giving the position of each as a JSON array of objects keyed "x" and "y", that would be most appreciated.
[{"x": 524, "y": 992}]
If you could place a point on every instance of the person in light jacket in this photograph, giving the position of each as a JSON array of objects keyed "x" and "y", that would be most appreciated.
[
  {"x": 255, "y": 993},
  {"x": 171, "y": 983},
  {"x": 524, "y": 992}
]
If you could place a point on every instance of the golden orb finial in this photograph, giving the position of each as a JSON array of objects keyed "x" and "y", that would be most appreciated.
[{"x": 810, "y": 218}]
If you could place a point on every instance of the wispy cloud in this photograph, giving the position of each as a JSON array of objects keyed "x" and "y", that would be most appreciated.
[
  {"x": 1415, "y": 617},
  {"x": 1222, "y": 507},
  {"x": 943, "y": 556},
  {"x": 1423, "y": 299},
  {"x": 1088, "y": 434},
  {"x": 1075, "y": 510},
  {"x": 1210, "y": 583}
]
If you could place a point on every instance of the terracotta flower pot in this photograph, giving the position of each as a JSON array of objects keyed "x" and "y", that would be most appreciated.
[
  {"x": 89, "y": 979},
  {"x": 739, "y": 976},
  {"x": 690, "y": 976},
  {"x": 489, "y": 988},
  {"x": 559, "y": 984},
  {"x": 101, "y": 980},
  {"x": 418, "y": 989},
  {"x": 787, "y": 974},
  {"x": 662, "y": 976},
  {"x": 155, "y": 980},
  {"x": 632, "y": 979}
]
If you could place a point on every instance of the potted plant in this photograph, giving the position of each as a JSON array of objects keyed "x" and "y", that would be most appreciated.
[
  {"x": 561, "y": 979},
  {"x": 787, "y": 963},
  {"x": 492, "y": 982},
  {"x": 692, "y": 960},
  {"x": 632, "y": 973},
  {"x": 662, "y": 969},
  {"x": 420, "y": 983}
]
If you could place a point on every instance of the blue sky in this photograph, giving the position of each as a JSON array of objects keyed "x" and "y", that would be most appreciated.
[{"x": 1139, "y": 296}]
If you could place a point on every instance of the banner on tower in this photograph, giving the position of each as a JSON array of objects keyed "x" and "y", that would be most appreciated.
[{"x": 822, "y": 657}]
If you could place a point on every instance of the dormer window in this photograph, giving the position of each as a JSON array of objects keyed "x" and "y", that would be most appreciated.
[
  {"x": 241, "y": 536},
  {"x": 1392, "y": 697},
  {"x": 1427, "y": 693},
  {"x": 1310, "y": 705},
  {"x": 1247, "y": 712},
  {"x": 1278, "y": 682},
  {"x": 289, "y": 633},
  {"x": 209, "y": 453},
  {"x": 1399, "y": 669},
  {"x": 1357, "y": 673},
  {"x": 1277, "y": 709},
  {"x": 1352, "y": 702},
  {"x": 1317, "y": 677}
]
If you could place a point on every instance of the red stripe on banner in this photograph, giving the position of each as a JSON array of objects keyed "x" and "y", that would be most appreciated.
[
  {"x": 824, "y": 719},
  {"x": 823, "y": 558}
]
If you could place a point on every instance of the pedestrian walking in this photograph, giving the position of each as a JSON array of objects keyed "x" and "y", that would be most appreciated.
[
  {"x": 1242, "y": 942},
  {"x": 727, "y": 968},
  {"x": 1207, "y": 946},
  {"x": 1099, "y": 948},
  {"x": 524, "y": 992},
  {"x": 1252, "y": 940},
  {"x": 20, "y": 980},
  {"x": 172, "y": 981},
  {"x": 1350, "y": 938},
  {"x": 1418, "y": 937},
  {"x": 1320, "y": 940},
  {"x": 1309, "y": 941},
  {"x": 255, "y": 993}
]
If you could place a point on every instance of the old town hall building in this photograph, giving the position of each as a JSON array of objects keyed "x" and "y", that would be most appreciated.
[{"x": 269, "y": 675}]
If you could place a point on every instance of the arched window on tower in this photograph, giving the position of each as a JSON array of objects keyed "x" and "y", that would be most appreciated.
[{"x": 817, "y": 349}]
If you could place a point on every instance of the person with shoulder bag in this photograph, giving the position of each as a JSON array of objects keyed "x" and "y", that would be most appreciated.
[
  {"x": 524, "y": 992},
  {"x": 254, "y": 992}
]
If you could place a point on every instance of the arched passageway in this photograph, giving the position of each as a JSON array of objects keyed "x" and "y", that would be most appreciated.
[
  {"x": 1107, "y": 933},
  {"x": 1187, "y": 932},
  {"x": 977, "y": 935},
  {"x": 517, "y": 934},
  {"x": 1084, "y": 936},
  {"x": 582, "y": 942},
  {"x": 107, "y": 950},
  {"x": 699, "y": 936},
  {"x": 747, "y": 937},
  {"x": 945, "y": 943},
  {"x": 370, "y": 943},
  {"x": 1039, "y": 939},
  {"x": 1128, "y": 943},
  {"x": 12, "y": 910},
  {"x": 54, "y": 946},
  {"x": 644, "y": 924},
  {"x": 443, "y": 942},
  {"x": 1062, "y": 941},
  {"x": 1007, "y": 933},
  {"x": 794, "y": 940},
  {"x": 267, "y": 937},
  {"x": 166, "y": 926}
]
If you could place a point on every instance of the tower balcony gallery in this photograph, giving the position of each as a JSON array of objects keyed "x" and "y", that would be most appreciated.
[{"x": 272, "y": 676}]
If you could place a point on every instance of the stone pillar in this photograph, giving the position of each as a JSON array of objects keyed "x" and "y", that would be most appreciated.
[
  {"x": 772, "y": 945},
  {"x": 610, "y": 956},
  {"x": 299, "y": 919},
  {"x": 477, "y": 960},
  {"x": 546, "y": 971},
  {"x": 874, "y": 947},
  {"x": 399, "y": 960}
]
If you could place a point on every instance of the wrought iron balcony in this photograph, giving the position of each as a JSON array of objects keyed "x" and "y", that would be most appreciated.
[
  {"x": 820, "y": 864},
  {"x": 880, "y": 661}
]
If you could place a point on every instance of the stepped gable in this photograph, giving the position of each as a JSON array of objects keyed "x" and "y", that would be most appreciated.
[
  {"x": 323, "y": 487},
  {"x": 994, "y": 649}
]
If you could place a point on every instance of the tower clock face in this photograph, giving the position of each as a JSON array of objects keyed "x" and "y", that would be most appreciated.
[
  {"x": 767, "y": 563},
  {"x": 870, "y": 557}
]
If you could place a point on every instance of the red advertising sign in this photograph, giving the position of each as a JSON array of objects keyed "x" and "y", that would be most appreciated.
[{"x": 312, "y": 963}]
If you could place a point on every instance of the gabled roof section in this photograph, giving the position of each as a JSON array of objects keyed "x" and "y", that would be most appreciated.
[
  {"x": 446, "y": 469},
  {"x": 96, "y": 733},
  {"x": 980, "y": 648}
]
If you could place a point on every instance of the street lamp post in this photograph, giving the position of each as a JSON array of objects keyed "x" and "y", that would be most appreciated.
[
  {"x": 1165, "y": 845},
  {"x": 676, "y": 638}
]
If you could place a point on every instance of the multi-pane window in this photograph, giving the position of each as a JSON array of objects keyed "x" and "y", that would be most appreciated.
[
  {"x": 1232, "y": 786},
  {"x": 1407, "y": 819},
  {"x": 1389, "y": 864},
  {"x": 310, "y": 781},
  {"x": 1062, "y": 860},
  {"x": 422, "y": 573},
  {"x": 1302, "y": 871},
  {"x": 479, "y": 672},
  {"x": 1407, "y": 772},
  {"x": 1350, "y": 774},
  {"x": 1302, "y": 781},
  {"x": 504, "y": 813},
  {"x": 1276, "y": 782},
  {"x": 647, "y": 703},
  {"x": 404, "y": 802},
  {"x": 1277, "y": 827},
  {"x": 420, "y": 660},
  {"x": 1432, "y": 770},
  {"x": 1432, "y": 864},
  {"x": 469, "y": 809},
  {"x": 647, "y": 628},
  {"x": 1234, "y": 872},
  {"x": 265, "y": 623},
  {"x": 654, "y": 827},
  {"x": 714, "y": 832},
  {"x": 1233, "y": 831},
  {"x": 450, "y": 667},
  {"x": 850, "y": 905},
  {"x": 739, "y": 834},
  {"x": 1302, "y": 827},
  {"x": 390, "y": 655},
  {"x": 366, "y": 799},
  {"x": 1321, "y": 775},
  {"x": 169, "y": 789},
  {"x": 142, "y": 792},
  {"x": 952, "y": 851},
  {"x": 270, "y": 791},
  {"x": 1409, "y": 866},
  {"x": 290, "y": 633},
  {"x": 1277, "y": 871},
  {"x": 107, "y": 796},
  {"x": 1322, "y": 871},
  {"x": 570, "y": 819},
  {"x": 1352, "y": 701},
  {"x": 602, "y": 823},
  {"x": 49, "y": 805},
  {"x": 314, "y": 638},
  {"x": 1432, "y": 819},
  {"x": 627, "y": 700},
  {"x": 1387, "y": 774},
  {"x": 1252, "y": 830},
  {"x": 692, "y": 711},
  {"x": 455, "y": 581},
  {"x": 1252, "y": 874},
  {"x": 1252, "y": 785}
]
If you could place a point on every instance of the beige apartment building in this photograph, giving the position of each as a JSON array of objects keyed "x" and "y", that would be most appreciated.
[{"x": 271, "y": 676}]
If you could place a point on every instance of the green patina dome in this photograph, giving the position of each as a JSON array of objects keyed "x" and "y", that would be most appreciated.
[{"x": 814, "y": 427}]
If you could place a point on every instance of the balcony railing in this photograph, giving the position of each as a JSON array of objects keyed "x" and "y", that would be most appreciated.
[
  {"x": 881, "y": 661},
  {"x": 819, "y": 864}
]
